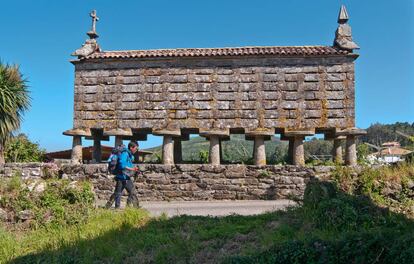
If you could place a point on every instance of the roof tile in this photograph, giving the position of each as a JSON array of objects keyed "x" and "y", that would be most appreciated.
[{"x": 212, "y": 52}]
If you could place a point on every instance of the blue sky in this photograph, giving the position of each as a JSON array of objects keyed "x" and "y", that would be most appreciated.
[{"x": 41, "y": 35}]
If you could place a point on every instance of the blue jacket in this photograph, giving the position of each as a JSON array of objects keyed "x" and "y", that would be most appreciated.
[{"x": 125, "y": 160}]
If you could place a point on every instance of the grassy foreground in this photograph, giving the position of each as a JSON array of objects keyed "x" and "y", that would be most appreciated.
[{"x": 330, "y": 226}]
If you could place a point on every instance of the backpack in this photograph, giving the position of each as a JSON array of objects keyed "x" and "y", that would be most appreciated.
[{"x": 113, "y": 159}]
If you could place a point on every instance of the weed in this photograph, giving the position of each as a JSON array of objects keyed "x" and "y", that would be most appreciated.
[
  {"x": 203, "y": 156},
  {"x": 264, "y": 174}
]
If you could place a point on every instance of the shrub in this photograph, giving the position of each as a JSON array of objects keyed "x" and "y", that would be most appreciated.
[
  {"x": 203, "y": 155},
  {"x": 316, "y": 192},
  {"x": 21, "y": 149},
  {"x": 61, "y": 203}
]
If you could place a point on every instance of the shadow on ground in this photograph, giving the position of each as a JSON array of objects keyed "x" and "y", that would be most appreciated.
[{"x": 329, "y": 227}]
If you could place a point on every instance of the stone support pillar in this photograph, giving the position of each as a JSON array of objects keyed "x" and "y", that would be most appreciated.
[
  {"x": 337, "y": 151},
  {"x": 167, "y": 150},
  {"x": 178, "y": 156},
  {"x": 221, "y": 151},
  {"x": 77, "y": 134},
  {"x": 118, "y": 141},
  {"x": 298, "y": 157},
  {"x": 259, "y": 151},
  {"x": 296, "y": 150},
  {"x": 214, "y": 153},
  {"x": 350, "y": 152},
  {"x": 290, "y": 151},
  {"x": 97, "y": 150},
  {"x": 76, "y": 150}
]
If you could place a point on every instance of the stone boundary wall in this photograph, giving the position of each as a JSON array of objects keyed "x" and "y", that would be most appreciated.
[{"x": 186, "y": 181}]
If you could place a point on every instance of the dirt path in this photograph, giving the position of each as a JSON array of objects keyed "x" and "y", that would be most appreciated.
[{"x": 212, "y": 208}]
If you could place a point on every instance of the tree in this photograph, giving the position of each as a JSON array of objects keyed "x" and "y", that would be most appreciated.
[
  {"x": 14, "y": 101},
  {"x": 317, "y": 147},
  {"x": 20, "y": 149}
]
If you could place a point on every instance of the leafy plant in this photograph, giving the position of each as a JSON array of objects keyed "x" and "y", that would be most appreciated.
[
  {"x": 264, "y": 173},
  {"x": 204, "y": 156},
  {"x": 20, "y": 149},
  {"x": 14, "y": 101}
]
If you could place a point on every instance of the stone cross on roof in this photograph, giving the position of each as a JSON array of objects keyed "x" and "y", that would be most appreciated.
[
  {"x": 91, "y": 45},
  {"x": 92, "y": 34}
]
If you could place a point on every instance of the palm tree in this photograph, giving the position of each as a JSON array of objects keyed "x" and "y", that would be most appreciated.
[{"x": 14, "y": 101}]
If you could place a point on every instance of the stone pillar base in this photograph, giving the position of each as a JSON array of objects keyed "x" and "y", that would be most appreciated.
[
  {"x": 178, "y": 157},
  {"x": 350, "y": 151},
  {"x": 77, "y": 150},
  {"x": 337, "y": 151},
  {"x": 298, "y": 151},
  {"x": 290, "y": 151},
  {"x": 118, "y": 141},
  {"x": 259, "y": 151},
  {"x": 351, "y": 154},
  {"x": 167, "y": 150},
  {"x": 97, "y": 150},
  {"x": 214, "y": 153}
]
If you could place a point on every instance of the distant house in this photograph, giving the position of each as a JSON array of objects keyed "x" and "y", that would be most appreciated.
[
  {"x": 391, "y": 152},
  {"x": 87, "y": 154}
]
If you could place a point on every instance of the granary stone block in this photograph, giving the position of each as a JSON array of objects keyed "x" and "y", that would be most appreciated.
[{"x": 310, "y": 86}]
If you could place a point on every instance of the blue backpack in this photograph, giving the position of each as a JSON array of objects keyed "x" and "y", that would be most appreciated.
[{"x": 113, "y": 159}]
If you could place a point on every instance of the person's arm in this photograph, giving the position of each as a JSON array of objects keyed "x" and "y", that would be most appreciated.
[{"x": 123, "y": 162}]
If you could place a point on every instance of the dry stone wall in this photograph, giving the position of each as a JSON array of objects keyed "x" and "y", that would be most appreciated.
[
  {"x": 250, "y": 93},
  {"x": 186, "y": 181}
]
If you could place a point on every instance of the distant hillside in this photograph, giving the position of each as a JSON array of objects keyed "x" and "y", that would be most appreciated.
[
  {"x": 379, "y": 133},
  {"x": 235, "y": 150}
]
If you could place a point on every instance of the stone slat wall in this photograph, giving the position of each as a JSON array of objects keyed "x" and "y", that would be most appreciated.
[
  {"x": 257, "y": 92},
  {"x": 188, "y": 181}
]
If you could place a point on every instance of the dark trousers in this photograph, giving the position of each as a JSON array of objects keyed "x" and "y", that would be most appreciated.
[{"x": 119, "y": 187}]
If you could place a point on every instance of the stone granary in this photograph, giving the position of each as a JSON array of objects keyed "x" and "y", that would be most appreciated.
[{"x": 293, "y": 91}]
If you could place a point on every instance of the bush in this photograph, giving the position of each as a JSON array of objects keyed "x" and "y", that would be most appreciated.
[
  {"x": 21, "y": 149},
  {"x": 316, "y": 192},
  {"x": 203, "y": 155},
  {"x": 60, "y": 203}
]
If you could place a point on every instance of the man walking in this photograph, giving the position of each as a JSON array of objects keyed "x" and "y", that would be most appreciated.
[{"x": 125, "y": 170}]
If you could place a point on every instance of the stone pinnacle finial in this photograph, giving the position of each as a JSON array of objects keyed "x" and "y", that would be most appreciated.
[
  {"x": 92, "y": 33},
  {"x": 343, "y": 15},
  {"x": 91, "y": 45},
  {"x": 343, "y": 35}
]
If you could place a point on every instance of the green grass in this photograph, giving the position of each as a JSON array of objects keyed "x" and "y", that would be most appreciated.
[{"x": 329, "y": 226}]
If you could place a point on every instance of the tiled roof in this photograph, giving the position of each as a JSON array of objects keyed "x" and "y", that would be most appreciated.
[
  {"x": 393, "y": 151},
  {"x": 283, "y": 51}
]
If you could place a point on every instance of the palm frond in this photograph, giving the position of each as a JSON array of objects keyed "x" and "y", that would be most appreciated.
[{"x": 14, "y": 99}]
